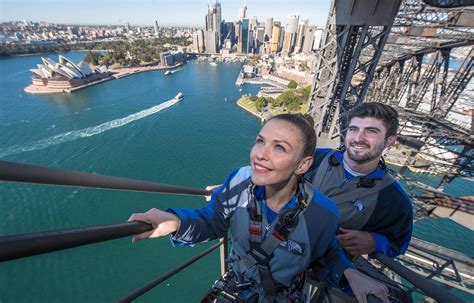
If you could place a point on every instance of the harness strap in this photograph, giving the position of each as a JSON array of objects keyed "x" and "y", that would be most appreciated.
[{"x": 262, "y": 251}]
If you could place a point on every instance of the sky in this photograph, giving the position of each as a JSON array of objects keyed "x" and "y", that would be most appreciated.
[{"x": 167, "y": 12}]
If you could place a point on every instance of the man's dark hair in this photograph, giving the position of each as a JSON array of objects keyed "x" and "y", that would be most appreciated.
[
  {"x": 305, "y": 124},
  {"x": 387, "y": 114}
]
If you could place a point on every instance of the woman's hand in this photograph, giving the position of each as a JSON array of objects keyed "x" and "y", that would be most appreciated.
[
  {"x": 163, "y": 223},
  {"x": 362, "y": 286}
]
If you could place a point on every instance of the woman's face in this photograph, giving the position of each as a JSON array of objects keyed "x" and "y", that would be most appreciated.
[{"x": 277, "y": 154}]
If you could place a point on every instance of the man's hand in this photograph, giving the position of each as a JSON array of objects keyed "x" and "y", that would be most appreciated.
[
  {"x": 211, "y": 188},
  {"x": 356, "y": 242},
  {"x": 362, "y": 286}
]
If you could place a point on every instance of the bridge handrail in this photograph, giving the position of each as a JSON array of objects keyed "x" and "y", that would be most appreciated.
[{"x": 26, "y": 173}]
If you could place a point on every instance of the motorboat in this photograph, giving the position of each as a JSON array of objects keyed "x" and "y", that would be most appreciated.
[
  {"x": 167, "y": 72},
  {"x": 213, "y": 63},
  {"x": 179, "y": 96}
]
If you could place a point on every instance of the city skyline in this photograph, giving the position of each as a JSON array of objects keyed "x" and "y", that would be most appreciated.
[{"x": 167, "y": 13}]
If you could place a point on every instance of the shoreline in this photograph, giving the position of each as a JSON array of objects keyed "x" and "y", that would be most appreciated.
[
  {"x": 116, "y": 73},
  {"x": 249, "y": 110}
]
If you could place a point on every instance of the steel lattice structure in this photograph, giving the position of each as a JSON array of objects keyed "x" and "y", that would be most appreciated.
[{"x": 400, "y": 56}]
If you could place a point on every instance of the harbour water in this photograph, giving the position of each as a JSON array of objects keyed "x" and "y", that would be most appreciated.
[{"x": 127, "y": 128}]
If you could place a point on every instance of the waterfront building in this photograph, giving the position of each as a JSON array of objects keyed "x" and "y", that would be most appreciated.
[
  {"x": 309, "y": 39},
  {"x": 64, "y": 75},
  {"x": 268, "y": 28},
  {"x": 275, "y": 37},
  {"x": 171, "y": 58},
  {"x": 198, "y": 41},
  {"x": 211, "y": 40}
]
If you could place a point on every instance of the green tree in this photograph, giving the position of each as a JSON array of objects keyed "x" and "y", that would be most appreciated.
[
  {"x": 253, "y": 98},
  {"x": 260, "y": 103},
  {"x": 292, "y": 84}
]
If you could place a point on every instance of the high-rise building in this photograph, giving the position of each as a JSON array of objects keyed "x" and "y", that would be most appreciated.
[
  {"x": 198, "y": 41},
  {"x": 317, "y": 38},
  {"x": 244, "y": 45},
  {"x": 213, "y": 28},
  {"x": 268, "y": 28},
  {"x": 238, "y": 30},
  {"x": 242, "y": 12},
  {"x": 211, "y": 40},
  {"x": 253, "y": 23},
  {"x": 275, "y": 37},
  {"x": 309, "y": 39},
  {"x": 287, "y": 42},
  {"x": 259, "y": 38},
  {"x": 300, "y": 36},
  {"x": 127, "y": 26},
  {"x": 228, "y": 32},
  {"x": 290, "y": 28},
  {"x": 282, "y": 36},
  {"x": 155, "y": 24}
]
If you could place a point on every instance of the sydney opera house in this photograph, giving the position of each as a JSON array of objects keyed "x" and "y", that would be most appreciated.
[{"x": 64, "y": 76}]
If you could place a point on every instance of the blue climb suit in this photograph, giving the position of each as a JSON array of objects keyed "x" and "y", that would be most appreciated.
[{"x": 311, "y": 241}]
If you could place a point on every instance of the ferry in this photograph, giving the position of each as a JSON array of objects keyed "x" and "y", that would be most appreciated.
[
  {"x": 167, "y": 72},
  {"x": 179, "y": 96}
]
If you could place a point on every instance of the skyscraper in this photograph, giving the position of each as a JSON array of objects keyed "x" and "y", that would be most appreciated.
[
  {"x": 290, "y": 33},
  {"x": 245, "y": 36},
  {"x": 300, "y": 35},
  {"x": 155, "y": 24},
  {"x": 213, "y": 28},
  {"x": 269, "y": 28},
  {"x": 309, "y": 39},
  {"x": 275, "y": 37},
  {"x": 242, "y": 12}
]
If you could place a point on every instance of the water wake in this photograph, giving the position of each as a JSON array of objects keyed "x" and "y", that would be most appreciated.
[{"x": 86, "y": 132}]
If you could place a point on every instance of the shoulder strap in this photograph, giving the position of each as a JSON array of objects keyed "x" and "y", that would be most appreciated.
[
  {"x": 364, "y": 191},
  {"x": 319, "y": 173}
]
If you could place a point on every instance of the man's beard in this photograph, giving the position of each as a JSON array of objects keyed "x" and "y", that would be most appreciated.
[{"x": 368, "y": 155}]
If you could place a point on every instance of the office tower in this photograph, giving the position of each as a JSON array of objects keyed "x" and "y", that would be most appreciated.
[
  {"x": 292, "y": 23},
  {"x": 259, "y": 38},
  {"x": 228, "y": 32},
  {"x": 289, "y": 38},
  {"x": 213, "y": 28},
  {"x": 155, "y": 24},
  {"x": 309, "y": 39},
  {"x": 242, "y": 12},
  {"x": 275, "y": 37},
  {"x": 253, "y": 23},
  {"x": 300, "y": 36},
  {"x": 244, "y": 45},
  {"x": 127, "y": 26},
  {"x": 317, "y": 38},
  {"x": 198, "y": 41},
  {"x": 238, "y": 30},
  {"x": 211, "y": 40},
  {"x": 268, "y": 28},
  {"x": 282, "y": 36}
]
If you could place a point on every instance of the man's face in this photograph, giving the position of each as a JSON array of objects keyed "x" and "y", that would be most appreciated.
[{"x": 365, "y": 139}]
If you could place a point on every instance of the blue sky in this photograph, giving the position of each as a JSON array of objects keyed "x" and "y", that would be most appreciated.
[{"x": 143, "y": 12}]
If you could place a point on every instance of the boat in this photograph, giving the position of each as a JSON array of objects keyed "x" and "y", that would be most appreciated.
[
  {"x": 179, "y": 96},
  {"x": 213, "y": 63},
  {"x": 167, "y": 72}
]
